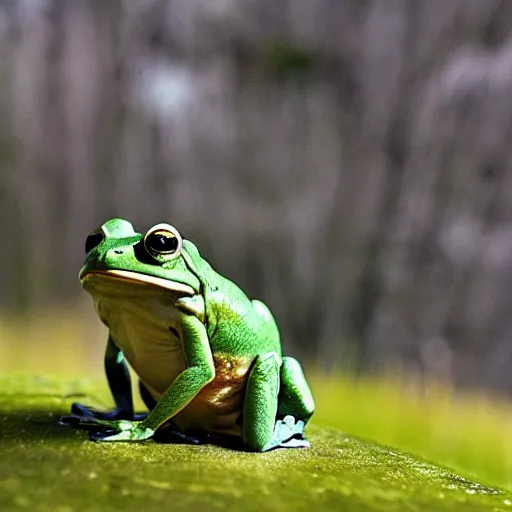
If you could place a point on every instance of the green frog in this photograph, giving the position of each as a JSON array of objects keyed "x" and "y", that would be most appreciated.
[{"x": 208, "y": 358}]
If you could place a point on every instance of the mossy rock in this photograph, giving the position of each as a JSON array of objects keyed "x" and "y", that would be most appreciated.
[{"x": 47, "y": 467}]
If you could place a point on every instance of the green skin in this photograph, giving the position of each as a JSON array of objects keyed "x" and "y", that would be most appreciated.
[{"x": 208, "y": 358}]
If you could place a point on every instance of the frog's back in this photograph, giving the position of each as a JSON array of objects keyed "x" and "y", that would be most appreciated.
[
  {"x": 236, "y": 325},
  {"x": 244, "y": 327}
]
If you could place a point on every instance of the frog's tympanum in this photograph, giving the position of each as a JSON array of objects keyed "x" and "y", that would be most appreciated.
[{"x": 208, "y": 358}]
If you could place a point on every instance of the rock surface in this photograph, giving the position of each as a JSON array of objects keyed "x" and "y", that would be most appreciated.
[{"x": 47, "y": 467}]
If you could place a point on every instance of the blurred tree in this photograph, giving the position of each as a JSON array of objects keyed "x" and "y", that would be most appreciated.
[{"x": 348, "y": 161}]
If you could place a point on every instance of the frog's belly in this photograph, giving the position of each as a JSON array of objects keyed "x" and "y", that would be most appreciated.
[
  {"x": 154, "y": 353},
  {"x": 156, "y": 356}
]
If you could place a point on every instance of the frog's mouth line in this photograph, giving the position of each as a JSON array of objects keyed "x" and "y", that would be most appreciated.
[{"x": 135, "y": 277}]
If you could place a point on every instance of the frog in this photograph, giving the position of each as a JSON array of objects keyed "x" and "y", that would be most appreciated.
[{"x": 208, "y": 359}]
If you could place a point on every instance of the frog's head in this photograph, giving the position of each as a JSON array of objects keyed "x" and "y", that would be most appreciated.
[{"x": 118, "y": 256}]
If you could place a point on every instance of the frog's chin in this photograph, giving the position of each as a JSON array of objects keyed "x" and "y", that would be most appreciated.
[{"x": 135, "y": 277}]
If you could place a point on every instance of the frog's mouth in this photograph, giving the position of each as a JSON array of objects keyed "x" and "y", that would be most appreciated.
[{"x": 135, "y": 277}]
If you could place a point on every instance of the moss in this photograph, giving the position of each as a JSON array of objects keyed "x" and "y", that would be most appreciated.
[
  {"x": 44, "y": 467},
  {"x": 466, "y": 430}
]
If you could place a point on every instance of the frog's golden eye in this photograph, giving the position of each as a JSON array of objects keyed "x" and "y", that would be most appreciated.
[
  {"x": 93, "y": 240},
  {"x": 163, "y": 240}
]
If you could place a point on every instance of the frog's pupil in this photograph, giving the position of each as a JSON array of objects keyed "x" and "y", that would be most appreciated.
[
  {"x": 162, "y": 243},
  {"x": 93, "y": 240}
]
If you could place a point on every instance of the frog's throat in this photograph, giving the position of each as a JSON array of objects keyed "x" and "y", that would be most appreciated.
[{"x": 139, "y": 278}]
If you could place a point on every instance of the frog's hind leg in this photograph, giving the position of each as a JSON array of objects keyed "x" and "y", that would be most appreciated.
[
  {"x": 260, "y": 403},
  {"x": 295, "y": 397},
  {"x": 296, "y": 402},
  {"x": 261, "y": 432}
]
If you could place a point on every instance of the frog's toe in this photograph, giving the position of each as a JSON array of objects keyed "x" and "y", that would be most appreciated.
[
  {"x": 101, "y": 435},
  {"x": 87, "y": 423},
  {"x": 295, "y": 443},
  {"x": 297, "y": 426},
  {"x": 288, "y": 433},
  {"x": 85, "y": 411},
  {"x": 288, "y": 427},
  {"x": 74, "y": 420},
  {"x": 69, "y": 420},
  {"x": 124, "y": 432},
  {"x": 88, "y": 412}
]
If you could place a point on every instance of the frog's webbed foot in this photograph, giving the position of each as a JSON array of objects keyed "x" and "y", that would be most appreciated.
[
  {"x": 109, "y": 430},
  {"x": 288, "y": 433},
  {"x": 116, "y": 414},
  {"x": 85, "y": 415},
  {"x": 121, "y": 430},
  {"x": 85, "y": 411}
]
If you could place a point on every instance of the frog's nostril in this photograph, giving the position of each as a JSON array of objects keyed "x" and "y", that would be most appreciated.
[{"x": 118, "y": 251}]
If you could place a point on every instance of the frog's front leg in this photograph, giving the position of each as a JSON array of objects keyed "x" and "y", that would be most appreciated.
[
  {"x": 119, "y": 383},
  {"x": 200, "y": 371}
]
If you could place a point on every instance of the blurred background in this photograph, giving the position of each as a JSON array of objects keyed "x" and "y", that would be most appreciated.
[{"x": 346, "y": 161}]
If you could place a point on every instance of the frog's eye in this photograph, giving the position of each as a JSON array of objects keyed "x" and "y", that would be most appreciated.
[
  {"x": 93, "y": 240},
  {"x": 163, "y": 240}
]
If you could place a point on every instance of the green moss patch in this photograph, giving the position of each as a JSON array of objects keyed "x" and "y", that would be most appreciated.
[{"x": 47, "y": 467}]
